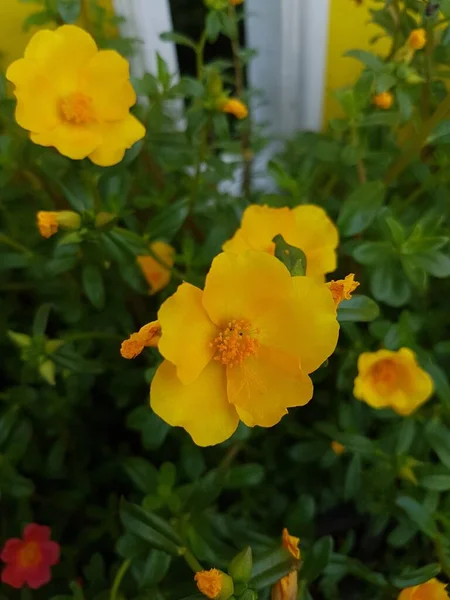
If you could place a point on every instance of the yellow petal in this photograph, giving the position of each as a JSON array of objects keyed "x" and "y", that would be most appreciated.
[
  {"x": 303, "y": 324},
  {"x": 36, "y": 108},
  {"x": 157, "y": 275},
  {"x": 75, "y": 141},
  {"x": 244, "y": 286},
  {"x": 117, "y": 137},
  {"x": 187, "y": 332},
  {"x": 62, "y": 53},
  {"x": 201, "y": 408},
  {"x": 264, "y": 386},
  {"x": 290, "y": 542},
  {"x": 430, "y": 590},
  {"x": 105, "y": 80},
  {"x": 318, "y": 237}
]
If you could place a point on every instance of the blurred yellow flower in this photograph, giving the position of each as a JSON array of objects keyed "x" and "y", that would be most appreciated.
[
  {"x": 241, "y": 349},
  {"x": 287, "y": 587},
  {"x": 74, "y": 97},
  {"x": 157, "y": 273},
  {"x": 214, "y": 584},
  {"x": 384, "y": 100},
  {"x": 48, "y": 222},
  {"x": 235, "y": 107},
  {"x": 431, "y": 590},
  {"x": 236, "y": 2},
  {"x": 337, "y": 448},
  {"x": 307, "y": 227},
  {"x": 342, "y": 289},
  {"x": 417, "y": 39},
  {"x": 148, "y": 336},
  {"x": 392, "y": 379}
]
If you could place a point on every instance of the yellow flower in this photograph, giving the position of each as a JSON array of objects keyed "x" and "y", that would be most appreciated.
[
  {"x": 337, "y": 448},
  {"x": 74, "y": 97},
  {"x": 431, "y": 590},
  {"x": 384, "y": 100},
  {"x": 342, "y": 289},
  {"x": 235, "y": 107},
  {"x": 417, "y": 39},
  {"x": 156, "y": 274},
  {"x": 242, "y": 348},
  {"x": 48, "y": 222},
  {"x": 392, "y": 379},
  {"x": 287, "y": 587},
  {"x": 214, "y": 584},
  {"x": 147, "y": 336},
  {"x": 236, "y": 2},
  {"x": 306, "y": 227}
]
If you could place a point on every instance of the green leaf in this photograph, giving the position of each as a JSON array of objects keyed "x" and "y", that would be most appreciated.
[
  {"x": 389, "y": 285},
  {"x": 353, "y": 478},
  {"x": 410, "y": 578},
  {"x": 367, "y": 58},
  {"x": 438, "y": 437},
  {"x": 143, "y": 474},
  {"x": 377, "y": 119},
  {"x": 41, "y": 319},
  {"x": 178, "y": 38},
  {"x": 436, "y": 483},
  {"x": 37, "y": 19},
  {"x": 358, "y": 309},
  {"x": 406, "y": 433},
  {"x": 434, "y": 263},
  {"x": 370, "y": 253},
  {"x": 442, "y": 129},
  {"x": 270, "y": 568},
  {"x": 155, "y": 569},
  {"x": 361, "y": 207},
  {"x": 293, "y": 258},
  {"x": 147, "y": 526},
  {"x": 168, "y": 221},
  {"x": 213, "y": 25},
  {"x": 245, "y": 476},
  {"x": 93, "y": 285},
  {"x": 317, "y": 559},
  {"x": 69, "y": 10},
  {"x": 418, "y": 515}
]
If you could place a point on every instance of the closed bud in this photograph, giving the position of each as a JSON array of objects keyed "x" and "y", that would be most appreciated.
[
  {"x": 249, "y": 595},
  {"x": 216, "y": 4},
  {"x": 68, "y": 219},
  {"x": 215, "y": 84},
  {"x": 104, "y": 218},
  {"x": 240, "y": 568},
  {"x": 215, "y": 584}
]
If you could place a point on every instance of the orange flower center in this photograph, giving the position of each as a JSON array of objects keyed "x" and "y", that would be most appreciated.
[
  {"x": 235, "y": 343},
  {"x": 209, "y": 583},
  {"x": 385, "y": 373},
  {"x": 29, "y": 555},
  {"x": 77, "y": 109}
]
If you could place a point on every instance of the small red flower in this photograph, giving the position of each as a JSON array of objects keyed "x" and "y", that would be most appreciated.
[{"x": 28, "y": 561}]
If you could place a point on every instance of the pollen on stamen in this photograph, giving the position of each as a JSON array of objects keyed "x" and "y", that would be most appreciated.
[{"x": 235, "y": 343}]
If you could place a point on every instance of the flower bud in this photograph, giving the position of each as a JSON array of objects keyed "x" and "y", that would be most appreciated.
[
  {"x": 240, "y": 568},
  {"x": 104, "y": 218},
  {"x": 214, "y": 584},
  {"x": 216, "y": 4},
  {"x": 249, "y": 595}
]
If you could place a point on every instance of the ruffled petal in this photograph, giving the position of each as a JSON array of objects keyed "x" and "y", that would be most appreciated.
[
  {"x": 117, "y": 137},
  {"x": 36, "y": 533},
  {"x": 50, "y": 553},
  {"x": 63, "y": 54},
  {"x": 36, "y": 577},
  {"x": 10, "y": 549},
  {"x": 106, "y": 81},
  {"x": 75, "y": 141},
  {"x": 201, "y": 408},
  {"x": 13, "y": 576},
  {"x": 187, "y": 332},
  {"x": 245, "y": 286},
  {"x": 263, "y": 387}
]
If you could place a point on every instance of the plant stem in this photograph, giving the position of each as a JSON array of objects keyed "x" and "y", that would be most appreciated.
[
  {"x": 418, "y": 141},
  {"x": 5, "y": 239},
  {"x": 200, "y": 51},
  {"x": 118, "y": 579},
  {"x": 233, "y": 451},
  {"x": 190, "y": 559},
  {"x": 428, "y": 67},
  {"x": 239, "y": 81},
  {"x": 394, "y": 9},
  {"x": 360, "y": 166},
  {"x": 441, "y": 556}
]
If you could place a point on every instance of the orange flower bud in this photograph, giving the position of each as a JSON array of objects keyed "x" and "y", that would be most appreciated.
[
  {"x": 417, "y": 39},
  {"x": 147, "y": 336},
  {"x": 337, "y": 448},
  {"x": 214, "y": 584},
  {"x": 49, "y": 222},
  {"x": 235, "y": 107},
  {"x": 384, "y": 100}
]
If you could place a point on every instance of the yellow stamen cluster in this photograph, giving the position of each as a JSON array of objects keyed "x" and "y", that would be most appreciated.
[
  {"x": 77, "y": 109},
  {"x": 209, "y": 583},
  {"x": 342, "y": 289},
  {"x": 147, "y": 336},
  {"x": 384, "y": 100},
  {"x": 235, "y": 343},
  {"x": 385, "y": 372}
]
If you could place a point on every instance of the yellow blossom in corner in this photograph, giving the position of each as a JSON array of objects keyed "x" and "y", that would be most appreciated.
[
  {"x": 307, "y": 227},
  {"x": 337, "y": 448},
  {"x": 392, "y": 379},
  {"x": 75, "y": 97},
  {"x": 342, "y": 289},
  {"x": 431, "y": 590},
  {"x": 287, "y": 587},
  {"x": 241, "y": 349},
  {"x": 417, "y": 39},
  {"x": 214, "y": 584},
  {"x": 148, "y": 336},
  {"x": 384, "y": 100},
  {"x": 235, "y": 107},
  {"x": 157, "y": 273},
  {"x": 49, "y": 222}
]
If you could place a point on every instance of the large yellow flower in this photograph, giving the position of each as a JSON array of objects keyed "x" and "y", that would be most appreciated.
[
  {"x": 242, "y": 348},
  {"x": 431, "y": 590},
  {"x": 74, "y": 97},
  {"x": 392, "y": 379},
  {"x": 306, "y": 227}
]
